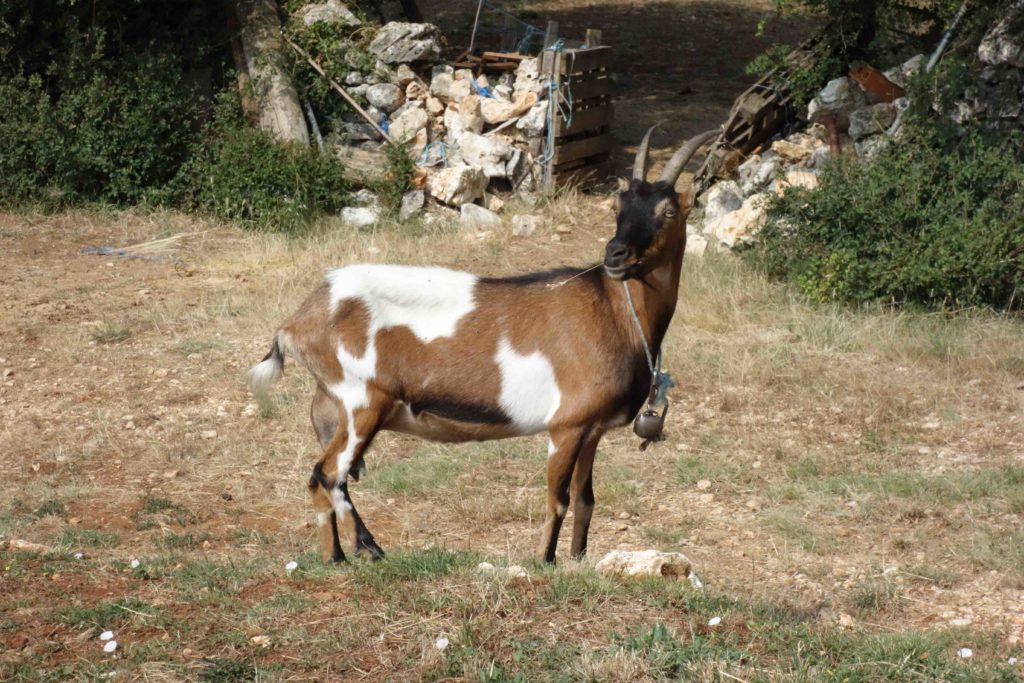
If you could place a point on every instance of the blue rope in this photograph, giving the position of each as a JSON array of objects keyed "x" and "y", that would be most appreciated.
[
  {"x": 523, "y": 46},
  {"x": 384, "y": 124},
  {"x": 114, "y": 251},
  {"x": 560, "y": 102},
  {"x": 481, "y": 90}
]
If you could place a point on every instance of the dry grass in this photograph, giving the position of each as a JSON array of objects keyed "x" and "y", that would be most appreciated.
[{"x": 863, "y": 465}]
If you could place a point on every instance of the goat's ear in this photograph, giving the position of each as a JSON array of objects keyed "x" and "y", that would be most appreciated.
[
  {"x": 623, "y": 184},
  {"x": 685, "y": 201}
]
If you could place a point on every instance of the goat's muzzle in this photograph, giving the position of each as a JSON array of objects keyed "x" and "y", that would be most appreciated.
[{"x": 617, "y": 261}]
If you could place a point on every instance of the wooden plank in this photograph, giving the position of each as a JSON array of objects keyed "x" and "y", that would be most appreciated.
[
  {"x": 584, "y": 176},
  {"x": 579, "y": 61},
  {"x": 582, "y": 148},
  {"x": 584, "y": 119},
  {"x": 547, "y": 57},
  {"x": 503, "y": 56},
  {"x": 580, "y": 163},
  {"x": 551, "y": 34},
  {"x": 590, "y": 88},
  {"x": 593, "y": 37}
]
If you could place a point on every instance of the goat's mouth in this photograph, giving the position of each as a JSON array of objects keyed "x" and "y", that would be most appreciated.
[{"x": 621, "y": 271}]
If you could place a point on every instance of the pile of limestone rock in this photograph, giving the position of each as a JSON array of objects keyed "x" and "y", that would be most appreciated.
[
  {"x": 473, "y": 138},
  {"x": 731, "y": 212}
]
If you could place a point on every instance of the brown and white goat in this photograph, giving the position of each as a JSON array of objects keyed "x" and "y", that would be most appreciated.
[{"x": 450, "y": 356}]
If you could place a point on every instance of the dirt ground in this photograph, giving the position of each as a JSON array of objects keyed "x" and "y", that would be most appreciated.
[{"x": 837, "y": 477}]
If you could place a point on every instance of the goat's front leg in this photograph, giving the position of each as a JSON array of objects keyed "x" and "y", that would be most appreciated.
[
  {"x": 583, "y": 495},
  {"x": 563, "y": 450}
]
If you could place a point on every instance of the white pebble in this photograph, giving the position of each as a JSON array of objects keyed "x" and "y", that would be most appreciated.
[
  {"x": 106, "y": 635},
  {"x": 441, "y": 643},
  {"x": 110, "y": 646},
  {"x": 79, "y": 556},
  {"x": 714, "y": 621},
  {"x": 135, "y": 564},
  {"x": 1011, "y": 660},
  {"x": 965, "y": 652},
  {"x": 291, "y": 566}
]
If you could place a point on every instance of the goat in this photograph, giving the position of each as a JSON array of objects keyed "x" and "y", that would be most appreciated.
[{"x": 450, "y": 356}]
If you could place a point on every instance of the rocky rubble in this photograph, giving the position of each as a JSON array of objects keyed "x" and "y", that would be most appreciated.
[
  {"x": 469, "y": 136},
  {"x": 731, "y": 212}
]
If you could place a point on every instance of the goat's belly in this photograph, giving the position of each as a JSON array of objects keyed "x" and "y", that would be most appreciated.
[{"x": 452, "y": 423}]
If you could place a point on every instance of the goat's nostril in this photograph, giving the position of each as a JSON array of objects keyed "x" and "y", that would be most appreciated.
[{"x": 616, "y": 252}]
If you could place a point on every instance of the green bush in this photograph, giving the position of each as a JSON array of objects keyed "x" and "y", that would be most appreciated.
[
  {"x": 117, "y": 137},
  {"x": 101, "y": 104},
  {"x": 929, "y": 222},
  {"x": 27, "y": 149},
  {"x": 244, "y": 175}
]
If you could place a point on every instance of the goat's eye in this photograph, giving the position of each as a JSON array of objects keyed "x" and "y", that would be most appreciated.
[{"x": 670, "y": 213}]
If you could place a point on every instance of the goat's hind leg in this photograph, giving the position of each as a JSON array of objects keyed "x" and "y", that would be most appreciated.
[
  {"x": 332, "y": 492},
  {"x": 326, "y": 519}
]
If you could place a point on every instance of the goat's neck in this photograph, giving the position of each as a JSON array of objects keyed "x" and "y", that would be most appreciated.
[{"x": 654, "y": 298}]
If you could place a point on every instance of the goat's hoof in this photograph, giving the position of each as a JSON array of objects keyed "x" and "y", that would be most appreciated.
[{"x": 376, "y": 553}]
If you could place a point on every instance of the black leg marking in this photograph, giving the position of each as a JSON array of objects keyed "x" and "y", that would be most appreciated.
[
  {"x": 337, "y": 554},
  {"x": 364, "y": 539},
  {"x": 549, "y": 552},
  {"x": 318, "y": 478}
]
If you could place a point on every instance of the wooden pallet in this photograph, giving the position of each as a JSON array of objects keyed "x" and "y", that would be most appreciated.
[
  {"x": 583, "y": 140},
  {"x": 757, "y": 114}
]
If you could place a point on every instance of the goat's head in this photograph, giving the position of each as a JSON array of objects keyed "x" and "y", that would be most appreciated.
[{"x": 650, "y": 217}]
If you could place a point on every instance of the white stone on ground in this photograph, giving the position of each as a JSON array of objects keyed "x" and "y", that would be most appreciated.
[
  {"x": 457, "y": 184},
  {"x": 476, "y": 217},
  {"x": 359, "y": 216},
  {"x": 412, "y": 203},
  {"x": 644, "y": 563}
]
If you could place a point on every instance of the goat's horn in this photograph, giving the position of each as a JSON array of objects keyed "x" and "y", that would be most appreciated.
[
  {"x": 674, "y": 167},
  {"x": 640, "y": 165}
]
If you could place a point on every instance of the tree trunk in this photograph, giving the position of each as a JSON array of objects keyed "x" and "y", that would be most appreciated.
[{"x": 276, "y": 102}]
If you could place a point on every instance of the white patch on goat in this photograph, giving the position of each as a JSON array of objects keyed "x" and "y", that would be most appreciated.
[
  {"x": 322, "y": 518},
  {"x": 341, "y": 506},
  {"x": 351, "y": 391},
  {"x": 429, "y": 301},
  {"x": 552, "y": 449},
  {"x": 529, "y": 392}
]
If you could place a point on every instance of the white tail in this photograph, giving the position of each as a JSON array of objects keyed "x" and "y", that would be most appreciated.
[{"x": 263, "y": 375}]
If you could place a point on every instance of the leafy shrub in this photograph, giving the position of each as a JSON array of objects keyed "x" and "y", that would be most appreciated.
[
  {"x": 27, "y": 149},
  {"x": 927, "y": 222},
  {"x": 245, "y": 175},
  {"x": 117, "y": 137},
  {"x": 397, "y": 178},
  {"x": 101, "y": 104}
]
